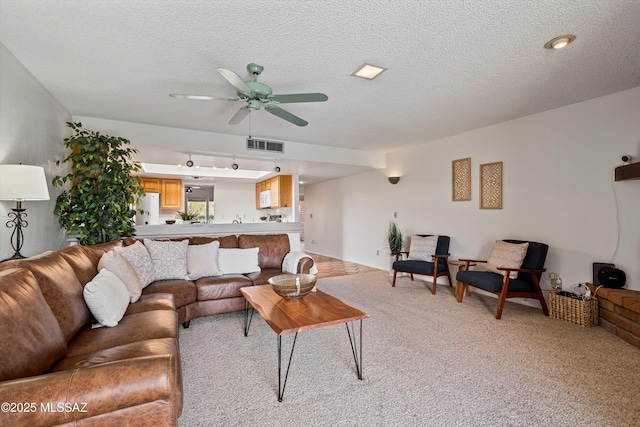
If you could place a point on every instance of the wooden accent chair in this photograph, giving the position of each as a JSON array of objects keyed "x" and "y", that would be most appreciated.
[
  {"x": 438, "y": 267},
  {"x": 526, "y": 285}
]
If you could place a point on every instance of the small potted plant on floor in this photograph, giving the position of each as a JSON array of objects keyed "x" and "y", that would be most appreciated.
[{"x": 394, "y": 241}]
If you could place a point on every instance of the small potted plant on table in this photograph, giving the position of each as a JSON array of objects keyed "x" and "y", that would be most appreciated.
[{"x": 187, "y": 217}]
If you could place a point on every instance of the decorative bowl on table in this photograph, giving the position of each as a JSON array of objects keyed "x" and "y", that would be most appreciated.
[
  {"x": 293, "y": 286},
  {"x": 170, "y": 221}
]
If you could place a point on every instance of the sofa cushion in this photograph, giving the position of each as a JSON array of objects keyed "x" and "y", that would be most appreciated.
[
  {"x": 118, "y": 265},
  {"x": 272, "y": 248},
  {"x": 184, "y": 291},
  {"x": 225, "y": 241},
  {"x": 238, "y": 261},
  {"x": 132, "y": 328},
  {"x": 139, "y": 258},
  {"x": 107, "y": 298},
  {"x": 227, "y": 286},
  {"x": 262, "y": 277},
  {"x": 61, "y": 289},
  {"x": 82, "y": 264},
  {"x": 202, "y": 260},
  {"x": 31, "y": 338},
  {"x": 151, "y": 302}
]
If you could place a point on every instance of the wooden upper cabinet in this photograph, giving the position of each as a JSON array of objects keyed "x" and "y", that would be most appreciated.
[
  {"x": 258, "y": 190},
  {"x": 171, "y": 194},
  {"x": 284, "y": 192},
  {"x": 281, "y": 188},
  {"x": 151, "y": 185}
]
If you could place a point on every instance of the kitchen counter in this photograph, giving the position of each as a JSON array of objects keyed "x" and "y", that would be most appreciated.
[{"x": 293, "y": 229}]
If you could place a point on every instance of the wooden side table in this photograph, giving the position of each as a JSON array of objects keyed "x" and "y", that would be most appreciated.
[{"x": 460, "y": 288}]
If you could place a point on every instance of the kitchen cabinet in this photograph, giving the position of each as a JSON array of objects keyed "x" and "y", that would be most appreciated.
[
  {"x": 171, "y": 194},
  {"x": 281, "y": 191},
  {"x": 258, "y": 190},
  {"x": 151, "y": 185}
]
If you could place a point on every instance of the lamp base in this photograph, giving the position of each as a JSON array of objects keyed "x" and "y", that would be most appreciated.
[{"x": 17, "y": 255}]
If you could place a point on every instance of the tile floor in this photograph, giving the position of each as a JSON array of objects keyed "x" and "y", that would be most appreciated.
[{"x": 332, "y": 267}]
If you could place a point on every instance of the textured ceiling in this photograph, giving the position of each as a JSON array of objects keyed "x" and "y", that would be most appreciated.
[{"x": 453, "y": 65}]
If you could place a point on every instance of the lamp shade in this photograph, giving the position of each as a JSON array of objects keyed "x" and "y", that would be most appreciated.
[{"x": 23, "y": 182}]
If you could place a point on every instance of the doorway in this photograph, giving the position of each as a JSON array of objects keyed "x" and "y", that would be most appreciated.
[{"x": 199, "y": 199}]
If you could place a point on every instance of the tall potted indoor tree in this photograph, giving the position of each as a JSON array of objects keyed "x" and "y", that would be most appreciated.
[{"x": 98, "y": 204}]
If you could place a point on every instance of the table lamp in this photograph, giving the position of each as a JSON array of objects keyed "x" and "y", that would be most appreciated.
[{"x": 21, "y": 183}]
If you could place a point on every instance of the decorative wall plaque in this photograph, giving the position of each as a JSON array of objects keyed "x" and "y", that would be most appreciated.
[
  {"x": 461, "y": 180},
  {"x": 491, "y": 185}
]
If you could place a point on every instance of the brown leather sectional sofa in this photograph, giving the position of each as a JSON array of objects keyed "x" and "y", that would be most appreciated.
[{"x": 55, "y": 369}]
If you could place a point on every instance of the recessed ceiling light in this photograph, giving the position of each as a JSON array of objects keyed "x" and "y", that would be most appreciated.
[
  {"x": 560, "y": 42},
  {"x": 368, "y": 71}
]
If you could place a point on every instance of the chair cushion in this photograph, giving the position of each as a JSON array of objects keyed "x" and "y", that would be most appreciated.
[
  {"x": 413, "y": 266},
  {"x": 492, "y": 282},
  {"x": 421, "y": 248},
  {"x": 507, "y": 255}
]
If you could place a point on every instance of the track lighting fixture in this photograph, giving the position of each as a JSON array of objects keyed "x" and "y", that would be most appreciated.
[
  {"x": 234, "y": 166},
  {"x": 276, "y": 169},
  {"x": 189, "y": 162}
]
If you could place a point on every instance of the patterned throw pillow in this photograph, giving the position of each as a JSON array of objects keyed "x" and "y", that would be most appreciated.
[
  {"x": 202, "y": 260},
  {"x": 169, "y": 258},
  {"x": 421, "y": 248},
  {"x": 507, "y": 255},
  {"x": 139, "y": 258}
]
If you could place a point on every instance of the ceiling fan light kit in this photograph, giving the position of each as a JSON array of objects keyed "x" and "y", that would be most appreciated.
[{"x": 256, "y": 95}]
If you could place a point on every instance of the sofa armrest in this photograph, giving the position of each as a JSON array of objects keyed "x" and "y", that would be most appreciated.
[
  {"x": 69, "y": 396},
  {"x": 304, "y": 265}
]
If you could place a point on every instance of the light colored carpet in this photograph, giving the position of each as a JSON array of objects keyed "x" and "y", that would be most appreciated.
[{"x": 428, "y": 360}]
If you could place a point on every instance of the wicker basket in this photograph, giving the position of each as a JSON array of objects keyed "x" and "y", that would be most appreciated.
[
  {"x": 580, "y": 312},
  {"x": 285, "y": 285}
]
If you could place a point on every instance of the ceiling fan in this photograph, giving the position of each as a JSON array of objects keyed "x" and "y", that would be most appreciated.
[{"x": 256, "y": 95}]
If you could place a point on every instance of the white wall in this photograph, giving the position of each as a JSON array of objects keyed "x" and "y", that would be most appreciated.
[
  {"x": 557, "y": 188},
  {"x": 32, "y": 127}
]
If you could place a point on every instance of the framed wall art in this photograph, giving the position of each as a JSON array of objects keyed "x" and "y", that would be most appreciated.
[
  {"x": 491, "y": 185},
  {"x": 461, "y": 180}
]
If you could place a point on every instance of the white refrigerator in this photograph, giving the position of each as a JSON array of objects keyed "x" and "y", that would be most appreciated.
[{"x": 150, "y": 204}]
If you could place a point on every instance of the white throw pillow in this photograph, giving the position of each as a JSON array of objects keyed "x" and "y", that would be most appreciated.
[
  {"x": 507, "y": 255},
  {"x": 107, "y": 298},
  {"x": 169, "y": 258},
  {"x": 139, "y": 258},
  {"x": 238, "y": 261},
  {"x": 202, "y": 260},
  {"x": 118, "y": 265},
  {"x": 421, "y": 248}
]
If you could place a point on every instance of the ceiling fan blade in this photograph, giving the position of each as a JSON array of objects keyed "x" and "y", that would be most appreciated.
[
  {"x": 239, "y": 115},
  {"x": 300, "y": 97},
  {"x": 277, "y": 111},
  {"x": 202, "y": 97},
  {"x": 235, "y": 80}
]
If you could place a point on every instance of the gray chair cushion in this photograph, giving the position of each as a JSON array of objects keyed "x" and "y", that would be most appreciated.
[{"x": 492, "y": 282}]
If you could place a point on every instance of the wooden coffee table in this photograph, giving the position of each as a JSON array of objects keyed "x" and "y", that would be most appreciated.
[{"x": 315, "y": 310}]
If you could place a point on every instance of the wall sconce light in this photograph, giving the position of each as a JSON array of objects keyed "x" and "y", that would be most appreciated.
[
  {"x": 394, "y": 179},
  {"x": 20, "y": 183}
]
